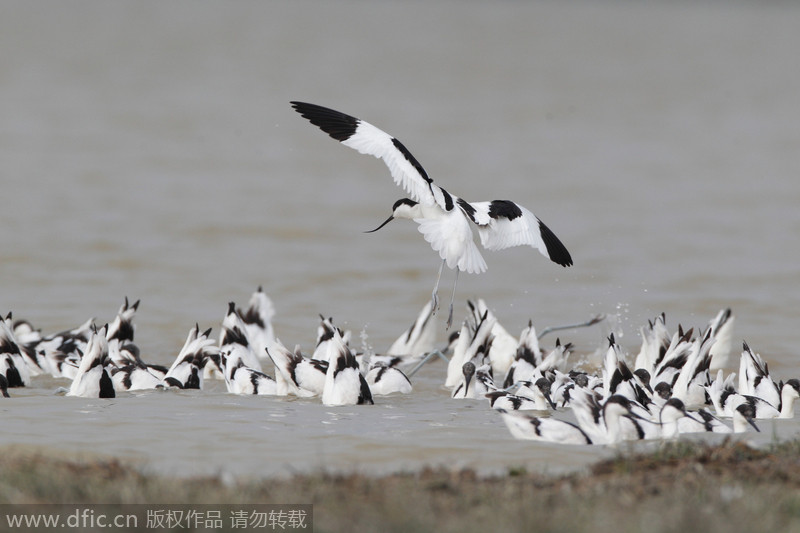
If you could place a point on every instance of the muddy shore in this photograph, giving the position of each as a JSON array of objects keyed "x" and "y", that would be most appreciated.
[{"x": 681, "y": 486}]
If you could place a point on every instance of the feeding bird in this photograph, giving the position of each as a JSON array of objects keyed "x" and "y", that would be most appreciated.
[
  {"x": 443, "y": 219},
  {"x": 92, "y": 380}
]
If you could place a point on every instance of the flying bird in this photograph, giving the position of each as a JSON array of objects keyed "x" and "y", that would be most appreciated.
[{"x": 443, "y": 219}]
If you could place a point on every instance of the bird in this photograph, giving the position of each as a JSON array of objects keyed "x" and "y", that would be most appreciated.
[
  {"x": 618, "y": 378},
  {"x": 12, "y": 363},
  {"x": 481, "y": 384},
  {"x": 754, "y": 378},
  {"x": 562, "y": 383},
  {"x": 623, "y": 423},
  {"x": 693, "y": 377},
  {"x": 384, "y": 380},
  {"x": 504, "y": 400},
  {"x": 26, "y": 337},
  {"x": 241, "y": 379},
  {"x": 62, "y": 351},
  {"x": 418, "y": 340},
  {"x": 524, "y": 426},
  {"x": 257, "y": 320},
  {"x": 662, "y": 392},
  {"x": 723, "y": 395},
  {"x": 187, "y": 370},
  {"x": 12, "y": 370},
  {"x": 344, "y": 384},
  {"x": 722, "y": 330},
  {"x": 790, "y": 391},
  {"x": 612, "y": 421},
  {"x": 504, "y": 345},
  {"x": 674, "y": 358},
  {"x": 538, "y": 391},
  {"x": 212, "y": 366},
  {"x": 233, "y": 340},
  {"x": 655, "y": 342},
  {"x": 92, "y": 379},
  {"x": 526, "y": 358},
  {"x": 295, "y": 374},
  {"x": 122, "y": 327},
  {"x": 474, "y": 338},
  {"x": 442, "y": 218},
  {"x": 676, "y": 420},
  {"x": 134, "y": 376},
  {"x": 744, "y": 414},
  {"x": 327, "y": 346},
  {"x": 726, "y": 400},
  {"x": 120, "y": 332}
]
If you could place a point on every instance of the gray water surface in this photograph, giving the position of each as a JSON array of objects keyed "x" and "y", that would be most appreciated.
[{"x": 148, "y": 150}]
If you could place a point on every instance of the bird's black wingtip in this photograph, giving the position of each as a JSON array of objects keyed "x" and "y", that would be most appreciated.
[
  {"x": 335, "y": 123},
  {"x": 556, "y": 250}
]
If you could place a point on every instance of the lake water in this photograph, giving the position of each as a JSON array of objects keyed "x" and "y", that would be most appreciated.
[{"x": 148, "y": 150}]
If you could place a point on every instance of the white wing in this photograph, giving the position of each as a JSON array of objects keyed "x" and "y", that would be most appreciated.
[
  {"x": 503, "y": 224},
  {"x": 367, "y": 139},
  {"x": 451, "y": 236}
]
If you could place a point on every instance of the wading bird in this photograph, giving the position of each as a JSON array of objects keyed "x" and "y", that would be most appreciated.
[{"x": 443, "y": 219}]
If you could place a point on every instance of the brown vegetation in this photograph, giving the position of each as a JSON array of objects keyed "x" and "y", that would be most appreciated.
[{"x": 683, "y": 486}]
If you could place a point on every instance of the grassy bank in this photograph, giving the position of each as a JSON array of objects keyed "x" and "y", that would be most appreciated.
[{"x": 682, "y": 486}]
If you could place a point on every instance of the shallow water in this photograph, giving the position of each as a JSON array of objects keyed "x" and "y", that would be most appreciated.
[{"x": 148, "y": 150}]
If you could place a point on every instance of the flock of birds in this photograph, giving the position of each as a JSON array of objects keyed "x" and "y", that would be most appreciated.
[
  {"x": 671, "y": 388},
  {"x": 676, "y": 384}
]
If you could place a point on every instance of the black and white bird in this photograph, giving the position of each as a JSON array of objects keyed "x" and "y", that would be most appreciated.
[
  {"x": 344, "y": 384},
  {"x": 257, "y": 319},
  {"x": 504, "y": 345},
  {"x": 676, "y": 420},
  {"x": 384, "y": 379},
  {"x": 418, "y": 340},
  {"x": 726, "y": 400},
  {"x": 527, "y": 358},
  {"x": 92, "y": 380},
  {"x": 476, "y": 383},
  {"x": 443, "y": 219},
  {"x": 26, "y": 337},
  {"x": 62, "y": 351},
  {"x": 327, "y": 347},
  {"x": 235, "y": 343},
  {"x": 120, "y": 333},
  {"x": 722, "y": 331},
  {"x": 754, "y": 378},
  {"x": 295, "y": 374},
  {"x": 538, "y": 391},
  {"x": 623, "y": 423},
  {"x": 505, "y": 401},
  {"x": 12, "y": 364},
  {"x": 134, "y": 376},
  {"x": 475, "y": 338},
  {"x": 186, "y": 371},
  {"x": 241, "y": 379},
  {"x": 528, "y": 427},
  {"x": 612, "y": 421}
]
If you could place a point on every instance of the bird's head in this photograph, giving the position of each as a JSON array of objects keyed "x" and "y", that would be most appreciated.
[{"x": 402, "y": 208}]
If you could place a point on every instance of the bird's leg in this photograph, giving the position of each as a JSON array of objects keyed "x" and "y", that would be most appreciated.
[
  {"x": 452, "y": 297},
  {"x": 435, "y": 294}
]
